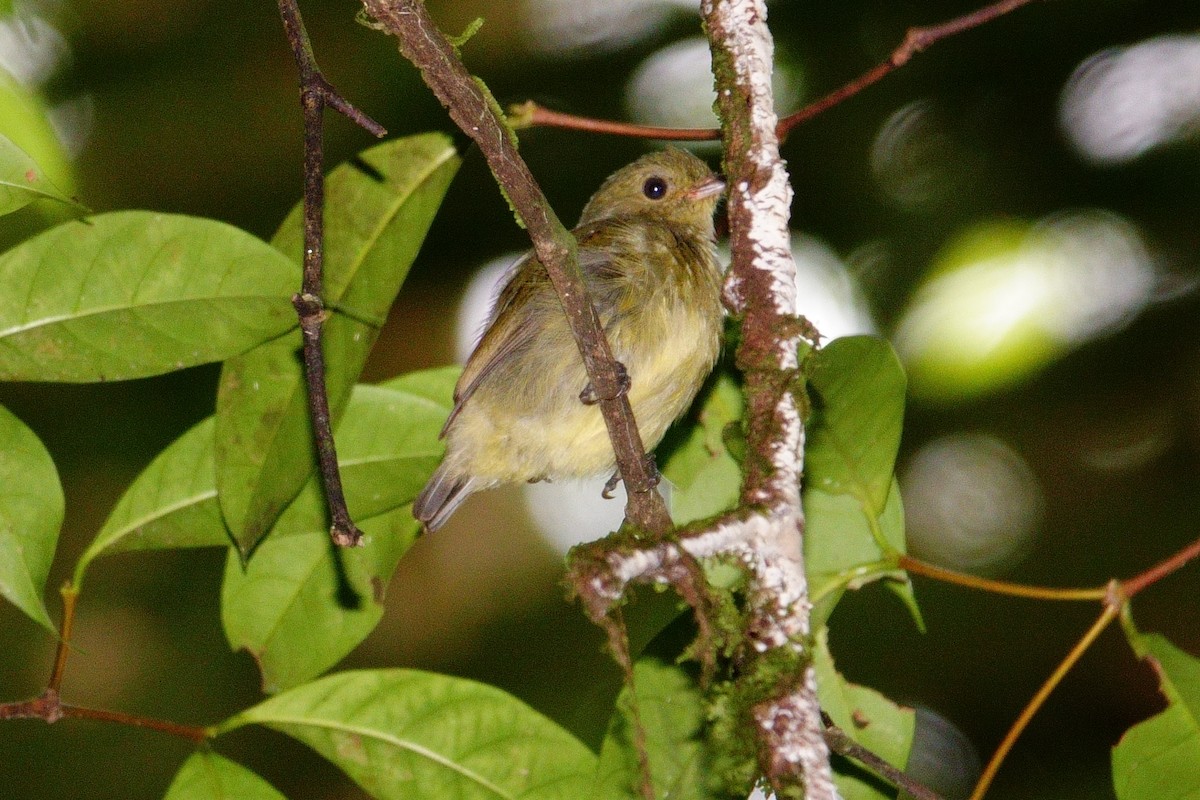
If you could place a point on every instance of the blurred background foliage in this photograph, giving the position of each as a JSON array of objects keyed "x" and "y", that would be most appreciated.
[{"x": 1017, "y": 209}]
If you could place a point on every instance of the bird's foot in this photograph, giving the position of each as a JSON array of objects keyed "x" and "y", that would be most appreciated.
[
  {"x": 610, "y": 485},
  {"x": 589, "y": 396}
]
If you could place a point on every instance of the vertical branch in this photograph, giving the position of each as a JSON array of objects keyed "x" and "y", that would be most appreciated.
[
  {"x": 315, "y": 94},
  {"x": 761, "y": 288},
  {"x": 476, "y": 113}
]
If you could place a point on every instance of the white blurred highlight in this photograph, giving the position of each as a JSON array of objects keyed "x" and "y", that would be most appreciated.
[
  {"x": 573, "y": 27},
  {"x": 1123, "y": 102},
  {"x": 31, "y": 49},
  {"x": 828, "y": 295},
  {"x": 674, "y": 87},
  {"x": 971, "y": 503}
]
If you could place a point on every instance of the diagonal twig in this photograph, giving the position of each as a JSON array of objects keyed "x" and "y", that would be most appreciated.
[
  {"x": 315, "y": 94},
  {"x": 475, "y": 111}
]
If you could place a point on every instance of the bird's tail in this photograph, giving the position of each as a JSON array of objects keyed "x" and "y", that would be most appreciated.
[{"x": 439, "y": 498}]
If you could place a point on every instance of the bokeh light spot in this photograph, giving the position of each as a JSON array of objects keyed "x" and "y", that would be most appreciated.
[
  {"x": 1005, "y": 299},
  {"x": 1125, "y": 101},
  {"x": 971, "y": 503}
]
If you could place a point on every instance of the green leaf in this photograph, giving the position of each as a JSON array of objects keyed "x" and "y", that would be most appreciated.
[
  {"x": 25, "y": 121},
  {"x": 208, "y": 776},
  {"x": 409, "y": 735},
  {"x": 857, "y": 389},
  {"x": 841, "y": 548},
  {"x": 705, "y": 478},
  {"x": 301, "y": 604},
  {"x": 31, "y": 515},
  {"x": 388, "y": 447},
  {"x": 869, "y": 718},
  {"x": 135, "y": 293},
  {"x": 21, "y": 180},
  {"x": 1157, "y": 759},
  {"x": 172, "y": 504},
  {"x": 378, "y": 209},
  {"x": 672, "y": 711}
]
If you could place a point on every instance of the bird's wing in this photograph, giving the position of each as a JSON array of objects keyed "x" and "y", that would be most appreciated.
[{"x": 508, "y": 330}]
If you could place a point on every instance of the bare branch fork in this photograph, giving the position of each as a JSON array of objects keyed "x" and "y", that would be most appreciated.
[
  {"x": 315, "y": 94},
  {"x": 475, "y": 111}
]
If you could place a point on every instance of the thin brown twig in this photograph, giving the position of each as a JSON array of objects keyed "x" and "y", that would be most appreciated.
[
  {"x": 477, "y": 114},
  {"x": 50, "y": 708},
  {"x": 315, "y": 94},
  {"x": 1111, "y": 608},
  {"x": 69, "y": 595},
  {"x": 916, "y": 40},
  {"x": 919, "y": 567},
  {"x": 840, "y": 742}
]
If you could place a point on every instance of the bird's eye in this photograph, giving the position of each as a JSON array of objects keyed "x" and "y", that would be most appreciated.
[{"x": 654, "y": 188}]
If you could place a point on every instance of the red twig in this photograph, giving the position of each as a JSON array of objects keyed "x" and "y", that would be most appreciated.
[
  {"x": 50, "y": 708},
  {"x": 916, "y": 40}
]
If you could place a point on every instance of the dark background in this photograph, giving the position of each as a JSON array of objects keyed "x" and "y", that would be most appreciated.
[{"x": 191, "y": 106}]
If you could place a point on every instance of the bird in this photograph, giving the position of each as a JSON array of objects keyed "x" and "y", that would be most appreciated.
[{"x": 524, "y": 410}]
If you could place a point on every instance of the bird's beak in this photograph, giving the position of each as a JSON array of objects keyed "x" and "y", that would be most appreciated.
[{"x": 709, "y": 187}]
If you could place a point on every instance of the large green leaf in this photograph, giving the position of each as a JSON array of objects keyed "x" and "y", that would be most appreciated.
[
  {"x": 389, "y": 447},
  {"x": 208, "y": 776},
  {"x": 705, "y": 477},
  {"x": 672, "y": 711},
  {"x": 876, "y": 723},
  {"x": 378, "y": 209},
  {"x": 301, "y": 603},
  {"x": 409, "y": 735},
  {"x": 21, "y": 180},
  {"x": 857, "y": 390},
  {"x": 31, "y": 514},
  {"x": 842, "y": 548},
  {"x": 1159, "y": 759},
  {"x": 135, "y": 293}
]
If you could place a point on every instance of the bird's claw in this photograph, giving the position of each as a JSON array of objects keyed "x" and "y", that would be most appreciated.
[
  {"x": 610, "y": 485},
  {"x": 589, "y": 396}
]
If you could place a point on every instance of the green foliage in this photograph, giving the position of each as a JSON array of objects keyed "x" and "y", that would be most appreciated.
[
  {"x": 25, "y": 122},
  {"x": 408, "y": 735},
  {"x": 672, "y": 710},
  {"x": 31, "y": 513},
  {"x": 172, "y": 504},
  {"x": 21, "y": 180},
  {"x": 1157, "y": 759},
  {"x": 869, "y": 718},
  {"x": 208, "y": 776},
  {"x": 705, "y": 477},
  {"x": 134, "y": 293},
  {"x": 301, "y": 604},
  {"x": 854, "y": 519},
  {"x": 378, "y": 210},
  {"x": 857, "y": 394}
]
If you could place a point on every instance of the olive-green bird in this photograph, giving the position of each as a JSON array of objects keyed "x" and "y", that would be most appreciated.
[{"x": 523, "y": 408}]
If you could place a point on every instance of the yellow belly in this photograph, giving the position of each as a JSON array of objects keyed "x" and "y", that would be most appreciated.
[{"x": 563, "y": 438}]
